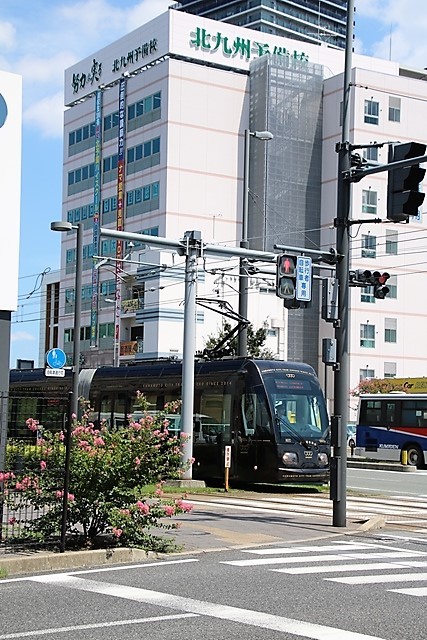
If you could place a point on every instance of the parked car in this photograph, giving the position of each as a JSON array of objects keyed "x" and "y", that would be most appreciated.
[{"x": 351, "y": 436}]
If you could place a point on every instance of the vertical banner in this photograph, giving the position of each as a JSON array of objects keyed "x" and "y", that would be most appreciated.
[
  {"x": 96, "y": 218},
  {"x": 120, "y": 215}
]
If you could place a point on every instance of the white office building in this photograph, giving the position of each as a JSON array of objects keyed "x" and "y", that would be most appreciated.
[{"x": 154, "y": 142}]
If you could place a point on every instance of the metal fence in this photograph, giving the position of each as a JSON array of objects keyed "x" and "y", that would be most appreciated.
[{"x": 22, "y": 506}]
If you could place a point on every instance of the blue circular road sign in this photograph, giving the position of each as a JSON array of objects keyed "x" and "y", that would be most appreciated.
[{"x": 56, "y": 358}]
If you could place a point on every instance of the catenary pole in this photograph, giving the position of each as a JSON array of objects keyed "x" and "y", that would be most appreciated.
[
  {"x": 341, "y": 379},
  {"x": 189, "y": 348},
  {"x": 242, "y": 339}
]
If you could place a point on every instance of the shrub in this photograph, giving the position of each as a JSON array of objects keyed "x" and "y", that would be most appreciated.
[{"x": 110, "y": 470}]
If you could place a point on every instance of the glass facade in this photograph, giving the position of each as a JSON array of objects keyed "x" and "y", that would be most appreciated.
[{"x": 307, "y": 20}]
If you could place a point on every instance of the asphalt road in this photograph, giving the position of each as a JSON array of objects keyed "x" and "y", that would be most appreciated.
[
  {"x": 354, "y": 587},
  {"x": 388, "y": 482}
]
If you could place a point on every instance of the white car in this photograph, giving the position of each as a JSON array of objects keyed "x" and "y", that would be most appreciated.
[{"x": 351, "y": 436}]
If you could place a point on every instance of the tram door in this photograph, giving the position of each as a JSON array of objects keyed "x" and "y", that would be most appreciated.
[{"x": 212, "y": 430}]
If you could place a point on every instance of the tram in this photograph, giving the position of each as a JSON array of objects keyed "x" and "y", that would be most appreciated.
[{"x": 272, "y": 413}]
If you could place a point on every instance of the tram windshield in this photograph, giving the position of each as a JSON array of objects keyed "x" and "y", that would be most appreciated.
[{"x": 299, "y": 408}]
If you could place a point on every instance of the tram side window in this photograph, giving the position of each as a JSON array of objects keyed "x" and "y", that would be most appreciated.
[
  {"x": 255, "y": 416},
  {"x": 414, "y": 413},
  {"x": 214, "y": 417}
]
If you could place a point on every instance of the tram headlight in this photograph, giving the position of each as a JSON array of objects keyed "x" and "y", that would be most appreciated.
[
  {"x": 323, "y": 459},
  {"x": 290, "y": 459}
]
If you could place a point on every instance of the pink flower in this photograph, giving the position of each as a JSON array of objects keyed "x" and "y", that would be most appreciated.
[
  {"x": 59, "y": 494},
  {"x": 99, "y": 442},
  {"x": 169, "y": 510},
  {"x": 143, "y": 507},
  {"x": 42, "y": 465},
  {"x": 32, "y": 424},
  {"x": 185, "y": 506},
  {"x": 12, "y": 520},
  {"x": 117, "y": 532},
  {"x": 137, "y": 461},
  {"x": 71, "y": 497}
]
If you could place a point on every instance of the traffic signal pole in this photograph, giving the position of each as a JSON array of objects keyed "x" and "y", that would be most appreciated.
[{"x": 338, "y": 487}]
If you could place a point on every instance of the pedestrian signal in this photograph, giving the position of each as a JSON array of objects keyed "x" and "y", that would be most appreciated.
[{"x": 286, "y": 273}]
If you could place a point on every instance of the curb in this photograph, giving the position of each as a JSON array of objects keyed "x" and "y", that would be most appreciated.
[
  {"x": 377, "y": 522},
  {"x": 382, "y": 466},
  {"x": 42, "y": 562}
]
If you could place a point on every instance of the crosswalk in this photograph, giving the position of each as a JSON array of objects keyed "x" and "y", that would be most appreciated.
[
  {"x": 392, "y": 567},
  {"x": 400, "y": 510}
]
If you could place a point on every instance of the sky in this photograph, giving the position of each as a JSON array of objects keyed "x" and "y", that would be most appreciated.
[{"x": 39, "y": 39}]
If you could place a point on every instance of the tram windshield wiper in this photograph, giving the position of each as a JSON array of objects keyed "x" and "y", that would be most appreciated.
[{"x": 293, "y": 432}]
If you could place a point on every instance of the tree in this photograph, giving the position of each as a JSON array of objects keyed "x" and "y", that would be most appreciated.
[
  {"x": 116, "y": 478},
  {"x": 377, "y": 385},
  {"x": 256, "y": 342}
]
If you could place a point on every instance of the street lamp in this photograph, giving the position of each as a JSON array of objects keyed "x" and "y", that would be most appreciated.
[
  {"x": 243, "y": 276},
  {"x": 67, "y": 226}
]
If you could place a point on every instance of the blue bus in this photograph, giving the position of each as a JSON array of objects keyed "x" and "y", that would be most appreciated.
[{"x": 393, "y": 427}]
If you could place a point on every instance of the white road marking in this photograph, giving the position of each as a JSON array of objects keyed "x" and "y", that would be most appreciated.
[
  {"x": 120, "y": 567},
  {"x": 342, "y": 568},
  {"x": 415, "y": 591},
  {"x": 397, "y": 577},
  {"x": 199, "y": 607},
  {"x": 99, "y": 625},
  {"x": 338, "y": 546},
  {"x": 324, "y": 558}
]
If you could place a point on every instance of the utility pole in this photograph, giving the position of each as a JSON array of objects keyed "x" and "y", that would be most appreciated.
[{"x": 341, "y": 382}]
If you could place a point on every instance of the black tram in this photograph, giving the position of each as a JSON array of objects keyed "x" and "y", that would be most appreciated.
[{"x": 271, "y": 413}]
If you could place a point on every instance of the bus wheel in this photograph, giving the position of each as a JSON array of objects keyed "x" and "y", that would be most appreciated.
[{"x": 415, "y": 457}]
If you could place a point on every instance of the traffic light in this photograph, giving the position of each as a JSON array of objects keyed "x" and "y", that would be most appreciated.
[
  {"x": 403, "y": 196},
  {"x": 380, "y": 288},
  {"x": 362, "y": 277},
  {"x": 286, "y": 274}
]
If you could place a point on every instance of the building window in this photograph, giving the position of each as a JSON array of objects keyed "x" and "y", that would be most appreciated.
[
  {"x": 366, "y": 373},
  {"x": 106, "y": 330},
  {"x": 68, "y": 335},
  {"x": 390, "y": 330},
  {"x": 111, "y": 121},
  {"x": 390, "y": 369},
  {"x": 369, "y": 201},
  {"x": 391, "y": 239},
  {"x": 367, "y": 295},
  {"x": 369, "y": 246},
  {"x": 394, "y": 109},
  {"x": 367, "y": 336},
  {"x": 392, "y": 285},
  {"x": 372, "y": 110},
  {"x": 371, "y": 154}
]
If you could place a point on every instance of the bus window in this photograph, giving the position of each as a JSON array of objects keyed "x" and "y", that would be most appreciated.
[
  {"x": 373, "y": 412},
  {"x": 414, "y": 413},
  {"x": 390, "y": 413}
]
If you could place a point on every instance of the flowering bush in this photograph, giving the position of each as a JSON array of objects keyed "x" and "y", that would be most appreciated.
[{"x": 110, "y": 471}]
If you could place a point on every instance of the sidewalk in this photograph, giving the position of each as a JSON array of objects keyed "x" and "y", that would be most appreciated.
[{"x": 207, "y": 528}]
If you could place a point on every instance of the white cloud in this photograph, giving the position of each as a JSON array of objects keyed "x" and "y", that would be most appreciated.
[
  {"x": 402, "y": 28},
  {"x": 46, "y": 115},
  {"x": 7, "y": 35}
]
